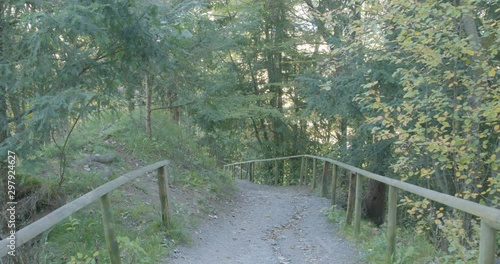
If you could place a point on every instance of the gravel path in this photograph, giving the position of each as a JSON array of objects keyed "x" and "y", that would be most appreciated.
[{"x": 268, "y": 225}]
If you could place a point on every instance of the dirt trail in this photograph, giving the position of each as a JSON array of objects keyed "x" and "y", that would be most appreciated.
[{"x": 268, "y": 225}]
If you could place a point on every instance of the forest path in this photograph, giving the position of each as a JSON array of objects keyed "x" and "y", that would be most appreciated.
[{"x": 268, "y": 225}]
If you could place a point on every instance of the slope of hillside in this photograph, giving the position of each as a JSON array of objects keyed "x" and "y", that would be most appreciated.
[{"x": 101, "y": 150}]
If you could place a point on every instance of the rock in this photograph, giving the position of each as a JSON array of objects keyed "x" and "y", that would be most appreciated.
[
  {"x": 105, "y": 159},
  {"x": 107, "y": 173}
]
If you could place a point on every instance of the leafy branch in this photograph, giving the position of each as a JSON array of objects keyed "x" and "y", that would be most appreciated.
[{"x": 62, "y": 149}]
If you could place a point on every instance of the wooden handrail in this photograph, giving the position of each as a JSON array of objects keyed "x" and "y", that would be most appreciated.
[
  {"x": 43, "y": 224},
  {"x": 490, "y": 217}
]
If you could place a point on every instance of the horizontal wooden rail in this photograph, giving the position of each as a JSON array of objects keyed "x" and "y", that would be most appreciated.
[
  {"x": 490, "y": 217},
  {"x": 43, "y": 224}
]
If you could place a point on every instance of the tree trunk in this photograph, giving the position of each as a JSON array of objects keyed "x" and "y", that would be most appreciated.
[
  {"x": 474, "y": 99},
  {"x": 174, "y": 111},
  {"x": 148, "y": 105},
  {"x": 3, "y": 136},
  {"x": 374, "y": 202},
  {"x": 4, "y": 128}
]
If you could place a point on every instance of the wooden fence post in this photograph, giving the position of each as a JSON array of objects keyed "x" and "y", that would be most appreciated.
[
  {"x": 357, "y": 206},
  {"x": 305, "y": 169},
  {"x": 241, "y": 171},
  {"x": 163, "y": 191},
  {"x": 351, "y": 198},
  {"x": 301, "y": 181},
  {"x": 324, "y": 187},
  {"x": 284, "y": 171},
  {"x": 315, "y": 165},
  {"x": 334, "y": 184},
  {"x": 109, "y": 230},
  {"x": 252, "y": 171},
  {"x": 248, "y": 170},
  {"x": 276, "y": 172},
  {"x": 391, "y": 222},
  {"x": 487, "y": 243}
]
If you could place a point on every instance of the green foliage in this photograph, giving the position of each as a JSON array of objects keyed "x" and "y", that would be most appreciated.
[
  {"x": 441, "y": 125},
  {"x": 80, "y": 239},
  {"x": 179, "y": 232},
  {"x": 132, "y": 251},
  {"x": 410, "y": 248},
  {"x": 426, "y": 85},
  {"x": 407, "y": 89},
  {"x": 85, "y": 259},
  {"x": 75, "y": 58},
  {"x": 72, "y": 224},
  {"x": 192, "y": 179}
]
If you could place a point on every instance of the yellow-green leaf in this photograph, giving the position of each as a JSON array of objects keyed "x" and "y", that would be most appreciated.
[
  {"x": 468, "y": 51},
  {"x": 492, "y": 72}
]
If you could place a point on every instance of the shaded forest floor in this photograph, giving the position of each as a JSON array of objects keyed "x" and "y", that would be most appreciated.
[{"x": 268, "y": 224}]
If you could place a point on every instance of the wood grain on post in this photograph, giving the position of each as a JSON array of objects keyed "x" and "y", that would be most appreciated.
[
  {"x": 357, "y": 206},
  {"x": 248, "y": 170},
  {"x": 334, "y": 184},
  {"x": 487, "y": 244},
  {"x": 326, "y": 171},
  {"x": 163, "y": 190},
  {"x": 351, "y": 198},
  {"x": 109, "y": 230},
  {"x": 391, "y": 222},
  {"x": 315, "y": 165}
]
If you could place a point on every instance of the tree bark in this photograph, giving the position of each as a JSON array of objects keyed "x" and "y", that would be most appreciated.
[
  {"x": 148, "y": 105},
  {"x": 4, "y": 128}
]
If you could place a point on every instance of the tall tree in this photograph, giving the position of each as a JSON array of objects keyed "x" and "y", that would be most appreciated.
[{"x": 65, "y": 62}]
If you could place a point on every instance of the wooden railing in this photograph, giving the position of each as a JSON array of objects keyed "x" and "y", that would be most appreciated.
[
  {"x": 102, "y": 192},
  {"x": 490, "y": 217}
]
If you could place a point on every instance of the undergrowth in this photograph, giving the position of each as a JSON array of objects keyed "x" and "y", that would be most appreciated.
[
  {"x": 140, "y": 233},
  {"x": 411, "y": 246}
]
